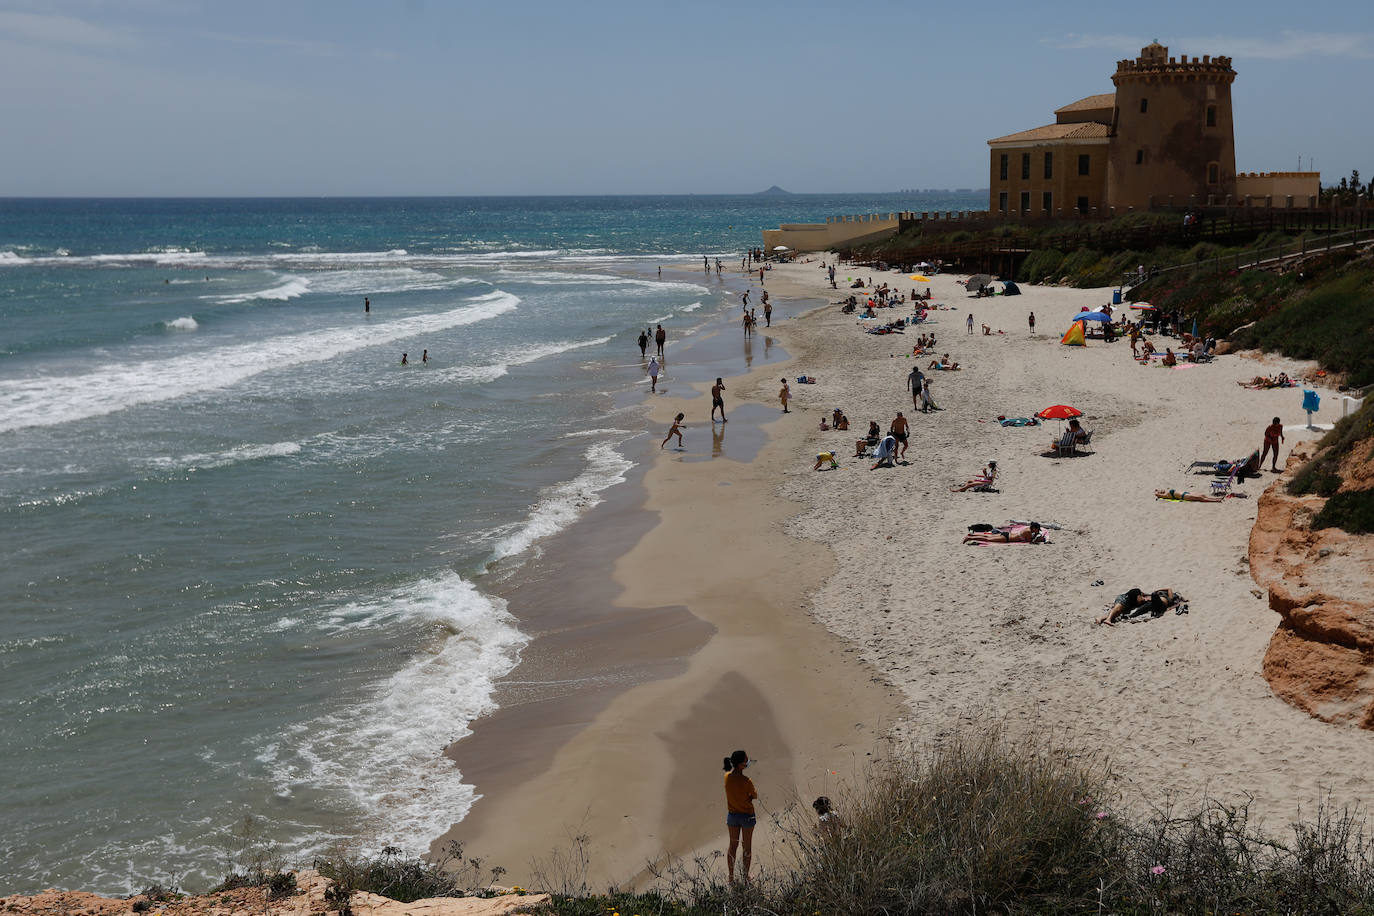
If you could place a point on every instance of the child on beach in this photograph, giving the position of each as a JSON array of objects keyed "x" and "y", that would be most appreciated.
[
  {"x": 739, "y": 817},
  {"x": 676, "y": 430},
  {"x": 824, "y": 458},
  {"x": 785, "y": 395}
]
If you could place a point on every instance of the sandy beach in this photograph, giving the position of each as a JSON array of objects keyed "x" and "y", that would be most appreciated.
[{"x": 810, "y": 615}]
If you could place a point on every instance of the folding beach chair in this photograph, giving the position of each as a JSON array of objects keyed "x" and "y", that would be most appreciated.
[{"x": 1222, "y": 486}]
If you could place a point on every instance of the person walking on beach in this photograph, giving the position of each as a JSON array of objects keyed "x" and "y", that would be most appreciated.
[
  {"x": 739, "y": 816},
  {"x": 745, "y": 300},
  {"x": 643, "y": 343},
  {"x": 970, "y": 322},
  {"x": 900, "y": 432},
  {"x": 767, "y": 313},
  {"x": 746, "y": 322},
  {"x": 785, "y": 395},
  {"x": 1031, "y": 321},
  {"x": 676, "y": 430},
  {"x": 653, "y": 373},
  {"x": 1273, "y": 435},
  {"x": 718, "y": 400},
  {"x": 660, "y": 336},
  {"x": 367, "y": 306},
  {"x": 913, "y": 381}
]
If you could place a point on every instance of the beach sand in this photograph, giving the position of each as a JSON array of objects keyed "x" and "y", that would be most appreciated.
[{"x": 814, "y": 613}]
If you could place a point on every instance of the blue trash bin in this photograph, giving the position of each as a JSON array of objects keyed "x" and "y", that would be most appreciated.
[{"x": 1116, "y": 297}]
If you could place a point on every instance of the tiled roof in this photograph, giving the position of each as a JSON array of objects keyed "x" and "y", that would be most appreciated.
[
  {"x": 1091, "y": 103},
  {"x": 1086, "y": 130}
]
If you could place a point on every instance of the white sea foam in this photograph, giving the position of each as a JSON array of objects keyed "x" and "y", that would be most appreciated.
[
  {"x": 53, "y": 400},
  {"x": 251, "y": 452},
  {"x": 494, "y": 370},
  {"x": 584, "y": 433},
  {"x": 385, "y": 755},
  {"x": 290, "y": 287},
  {"x": 185, "y": 323},
  {"x": 690, "y": 308},
  {"x": 560, "y": 506}
]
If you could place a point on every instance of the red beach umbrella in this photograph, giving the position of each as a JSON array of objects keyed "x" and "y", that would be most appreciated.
[{"x": 1060, "y": 412}]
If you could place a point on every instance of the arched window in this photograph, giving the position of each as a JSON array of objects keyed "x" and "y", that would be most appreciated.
[{"x": 1214, "y": 173}]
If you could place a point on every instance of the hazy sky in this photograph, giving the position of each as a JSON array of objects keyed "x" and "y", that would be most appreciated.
[{"x": 241, "y": 97}]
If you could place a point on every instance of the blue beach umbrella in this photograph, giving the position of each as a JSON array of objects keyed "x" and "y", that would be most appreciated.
[{"x": 1092, "y": 316}]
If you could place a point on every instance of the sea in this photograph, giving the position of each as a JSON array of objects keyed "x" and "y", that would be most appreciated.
[{"x": 248, "y": 554}]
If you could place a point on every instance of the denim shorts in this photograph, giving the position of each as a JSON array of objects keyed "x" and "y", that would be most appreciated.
[{"x": 735, "y": 819}]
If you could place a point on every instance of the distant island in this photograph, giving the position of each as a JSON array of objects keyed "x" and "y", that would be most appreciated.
[{"x": 774, "y": 191}]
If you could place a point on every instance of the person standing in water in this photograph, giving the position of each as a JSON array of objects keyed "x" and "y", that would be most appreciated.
[
  {"x": 424, "y": 357},
  {"x": 660, "y": 337},
  {"x": 653, "y": 373},
  {"x": 785, "y": 395},
  {"x": 739, "y": 817},
  {"x": 643, "y": 343},
  {"x": 367, "y": 305},
  {"x": 405, "y": 359},
  {"x": 718, "y": 400}
]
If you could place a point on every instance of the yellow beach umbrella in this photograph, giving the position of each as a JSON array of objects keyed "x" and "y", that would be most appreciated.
[{"x": 920, "y": 278}]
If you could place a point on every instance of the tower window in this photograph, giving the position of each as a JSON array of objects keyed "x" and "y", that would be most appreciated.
[
  {"x": 1005, "y": 157},
  {"x": 1025, "y": 201},
  {"x": 1002, "y": 199},
  {"x": 1144, "y": 105},
  {"x": 1211, "y": 116},
  {"x": 1049, "y": 165},
  {"x": 1046, "y": 201},
  {"x": 1213, "y": 173},
  {"x": 1140, "y": 157},
  {"x": 1025, "y": 166},
  {"x": 1083, "y": 205},
  {"x": 1084, "y": 161}
]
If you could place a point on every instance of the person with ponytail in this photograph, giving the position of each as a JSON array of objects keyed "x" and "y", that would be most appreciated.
[{"x": 739, "y": 819}]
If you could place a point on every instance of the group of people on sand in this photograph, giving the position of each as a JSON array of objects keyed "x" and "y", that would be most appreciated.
[{"x": 1261, "y": 382}]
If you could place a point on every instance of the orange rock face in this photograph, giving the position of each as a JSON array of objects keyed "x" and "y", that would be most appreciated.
[
  {"x": 309, "y": 901},
  {"x": 1321, "y": 583}
]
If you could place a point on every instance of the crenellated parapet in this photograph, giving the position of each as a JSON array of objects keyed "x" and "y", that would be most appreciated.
[{"x": 1155, "y": 65}]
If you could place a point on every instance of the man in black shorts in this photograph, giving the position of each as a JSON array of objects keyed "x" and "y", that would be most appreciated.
[
  {"x": 717, "y": 400},
  {"x": 900, "y": 432}
]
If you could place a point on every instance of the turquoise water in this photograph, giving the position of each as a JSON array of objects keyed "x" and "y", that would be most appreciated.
[{"x": 245, "y": 548}]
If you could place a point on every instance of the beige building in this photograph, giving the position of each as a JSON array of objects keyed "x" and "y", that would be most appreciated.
[{"x": 1164, "y": 137}]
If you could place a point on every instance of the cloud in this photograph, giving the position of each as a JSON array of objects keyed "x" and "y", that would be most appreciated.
[
  {"x": 1287, "y": 45},
  {"x": 45, "y": 28}
]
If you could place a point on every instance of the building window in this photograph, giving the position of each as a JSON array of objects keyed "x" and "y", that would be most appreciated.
[
  {"x": 1004, "y": 169},
  {"x": 1083, "y": 205},
  {"x": 1211, "y": 116},
  {"x": 1025, "y": 201},
  {"x": 1084, "y": 161},
  {"x": 1002, "y": 199},
  {"x": 1049, "y": 165},
  {"x": 1144, "y": 105},
  {"x": 1046, "y": 201},
  {"x": 1025, "y": 166},
  {"x": 1140, "y": 157},
  {"x": 1213, "y": 173}
]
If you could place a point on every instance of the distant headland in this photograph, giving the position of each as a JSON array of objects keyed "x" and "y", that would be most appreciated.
[{"x": 774, "y": 191}]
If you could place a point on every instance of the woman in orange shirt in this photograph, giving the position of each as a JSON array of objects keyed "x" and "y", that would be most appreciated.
[{"x": 739, "y": 803}]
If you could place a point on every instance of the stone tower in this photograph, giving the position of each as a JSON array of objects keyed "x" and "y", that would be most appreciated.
[{"x": 1172, "y": 135}]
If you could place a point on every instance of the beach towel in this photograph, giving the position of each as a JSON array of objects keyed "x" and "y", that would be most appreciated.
[{"x": 1018, "y": 421}]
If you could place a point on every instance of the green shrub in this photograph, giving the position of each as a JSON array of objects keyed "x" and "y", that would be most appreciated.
[
  {"x": 1329, "y": 323},
  {"x": 1351, "y": 511},
  {"x": 406, "y": 879},
  {"x": 1041, "y": 264},
  {"x": 1077, "y": 262}
]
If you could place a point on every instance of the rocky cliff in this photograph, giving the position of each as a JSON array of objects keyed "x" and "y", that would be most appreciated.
[{"x": 1321, "y": 583}]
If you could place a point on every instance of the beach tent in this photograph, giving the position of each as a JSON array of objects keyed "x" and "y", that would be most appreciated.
[
  {"x": 1092, "y": 316},
  {"x": 1011, "y": 289},
  {"x": 1074, "y": 337}
]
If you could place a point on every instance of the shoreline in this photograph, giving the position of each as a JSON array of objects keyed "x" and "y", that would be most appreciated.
[{"x": 652, "y": 744}]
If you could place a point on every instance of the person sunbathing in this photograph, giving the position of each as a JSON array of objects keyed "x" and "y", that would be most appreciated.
[
  {"x": 1014, "y": 534},
  {"x": 943, "y": 363},
  {"x": 1159, "y": 601},
  {"x": 982, "y": 480},
  {"x": 1185, "y": 496}
]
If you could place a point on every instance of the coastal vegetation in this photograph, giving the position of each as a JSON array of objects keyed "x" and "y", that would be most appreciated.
[
  {"x": 1349, "y": 444},
  {"x": 976, "y": 824}
]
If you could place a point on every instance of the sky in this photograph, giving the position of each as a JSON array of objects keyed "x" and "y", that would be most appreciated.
[{"x": 423, "y": 97}]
